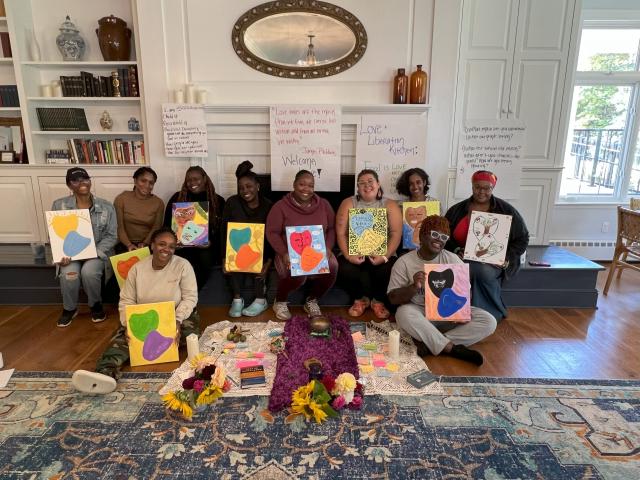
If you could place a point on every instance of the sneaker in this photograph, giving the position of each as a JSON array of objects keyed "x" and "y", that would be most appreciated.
[
  {"x": 236, "y": 308},
  {"x": 281, "y": 310},
  {"x": 379, "y": 310},
  {"x": 256, "y": 308},
  {"x": 358, "y": 307},
  {"x": 97, "y": 313},
  {"x": 312, "y": 308},
  {"x": 93, "y": 382},
  {"x": 463, "y": 353},
  {"x": 66, "y": 317}
]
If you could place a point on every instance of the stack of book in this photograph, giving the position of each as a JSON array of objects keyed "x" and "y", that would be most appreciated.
[
  {"x": 89, "y": 85},
  {"x": 252, "y": 377},
  {"x": 66, "y": 119}
]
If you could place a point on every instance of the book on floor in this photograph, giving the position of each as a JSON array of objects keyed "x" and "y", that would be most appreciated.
[{"x": 252, "y": 377}]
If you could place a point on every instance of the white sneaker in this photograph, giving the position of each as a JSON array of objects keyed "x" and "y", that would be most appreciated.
[
  {"x": 312, "y": 308},
  {"x": 281, "y": 310},
  {"x": 93, "y": 382}
]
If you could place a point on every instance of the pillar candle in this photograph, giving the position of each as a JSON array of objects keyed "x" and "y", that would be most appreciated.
[
  {"x": 46, "y": 91},
  {"x": 202, "y": 97},
  {"x": 193, "y": 348},
  {"x": 56, "y": 88},
  {"x": 178, "y": 96},
  {"x": 191, "y": 93},
  {"x": 394, "y": 344},
  {"x": 1, "y": 361}
]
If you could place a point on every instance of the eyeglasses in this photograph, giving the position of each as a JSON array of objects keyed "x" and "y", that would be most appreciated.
[
  {"x": 439, "y": 236},
  {"x": 478, "y": 188},
  {"x": 79, "y": 181}
]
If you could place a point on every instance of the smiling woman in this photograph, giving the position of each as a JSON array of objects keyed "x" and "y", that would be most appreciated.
[{"x": 304, "y": 39}]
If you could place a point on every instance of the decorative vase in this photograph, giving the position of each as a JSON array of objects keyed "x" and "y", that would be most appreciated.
[
  {"x": 418, "y": 86},
  {"x": 133, "y": 124},
  {"x": 105, "y": 121},
  {"x": 34, "y": 48},
  {"x": 69, "y": 41},
  {"x": 400, "y": 84},
  {"x": 114, "y": 38}
]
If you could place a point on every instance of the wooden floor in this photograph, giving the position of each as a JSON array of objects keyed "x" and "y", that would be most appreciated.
[{"x": 548, "y": 343}]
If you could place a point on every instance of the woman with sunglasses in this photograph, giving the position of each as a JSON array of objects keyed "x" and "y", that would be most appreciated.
[
  {"x": 486, "y": 279},
  {"x": 407, "y": 287},
  {"x": 365, "y": 278}
]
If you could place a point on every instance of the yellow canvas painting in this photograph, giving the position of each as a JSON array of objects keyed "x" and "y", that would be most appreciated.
[
  {"x": 245, "y": 247},
  {"x": 367, "y": 231},
  {"x": 122, "y": 263},
  {"x": 413, "y": 213},
  {"x": 71, "y": 234},
  {"x": 152, "y": 332}
]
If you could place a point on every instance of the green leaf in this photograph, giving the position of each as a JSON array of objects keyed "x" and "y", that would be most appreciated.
[{"x": 326, "y": 408}]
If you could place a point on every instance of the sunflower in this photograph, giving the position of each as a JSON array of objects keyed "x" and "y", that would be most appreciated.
[
  {"x": 209, "y": 395},
  {"x": 303, "y": 403},
  {"x": 179, "y": 401}
]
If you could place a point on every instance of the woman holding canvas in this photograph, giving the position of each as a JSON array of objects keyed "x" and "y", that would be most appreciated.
[
  {"x": 198, "y": 187},
  {"x": 248, "y": 206},
  {"x": 365, "y": 277},
  {"x": 161, "y": 277},
  {"x": 301, "y": 207},
  {"x": 486, "y": 279}
]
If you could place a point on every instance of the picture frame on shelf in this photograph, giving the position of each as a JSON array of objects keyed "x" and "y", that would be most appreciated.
[
  {"x": 7, "y": 156},
  {"x": 11, "y": 140}
]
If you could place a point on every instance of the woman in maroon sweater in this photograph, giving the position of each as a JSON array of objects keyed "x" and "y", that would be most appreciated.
[{"x": 299, "y": 208}]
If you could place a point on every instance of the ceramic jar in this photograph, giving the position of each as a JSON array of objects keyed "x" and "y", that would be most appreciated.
[
  {"x": 114, "y": 38},
  {"x": 69, "y": 41}
]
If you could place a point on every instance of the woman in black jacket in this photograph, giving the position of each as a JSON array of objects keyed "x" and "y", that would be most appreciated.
[{"x": 486, "y": 279}]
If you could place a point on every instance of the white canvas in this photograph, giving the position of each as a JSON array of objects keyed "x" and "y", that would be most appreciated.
[
  {"x": 71, "y": 234},
  {"x": 487, "y": 237}
]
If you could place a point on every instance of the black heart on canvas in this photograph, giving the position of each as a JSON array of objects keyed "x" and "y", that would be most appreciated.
[{"x": 438, "y": 281}]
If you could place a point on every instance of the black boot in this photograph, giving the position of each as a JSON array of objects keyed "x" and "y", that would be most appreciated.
[{"x": 463, "y": 353}]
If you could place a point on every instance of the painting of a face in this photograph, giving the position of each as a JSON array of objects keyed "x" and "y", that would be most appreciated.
[
  {"x": 183, "y": 215},
  {"x": 414, "y": 216},
  {"x": 190, "y": 232}
]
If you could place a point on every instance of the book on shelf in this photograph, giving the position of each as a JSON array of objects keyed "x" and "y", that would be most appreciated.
[
  {"x": 252, "y": 377},
  {"x": 6, "y": 45},
  {"x": 89, "y": 85},
  {"x": 9, "y": 96},
  {"x": 108, "y": 152},
  {"x": 62, "y": 119}
]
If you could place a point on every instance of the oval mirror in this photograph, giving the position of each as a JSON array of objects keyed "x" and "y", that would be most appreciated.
[{"x": 302, "y": 39}]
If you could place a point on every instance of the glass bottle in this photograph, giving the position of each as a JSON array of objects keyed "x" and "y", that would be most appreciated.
[
  {"x": 400, "y": 87},
  {"x": 418, "y": 86}
]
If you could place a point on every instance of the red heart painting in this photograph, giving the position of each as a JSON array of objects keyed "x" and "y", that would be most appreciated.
[
  {"x": 125, "y": 265},
  {"x": 299, "y": 240}
]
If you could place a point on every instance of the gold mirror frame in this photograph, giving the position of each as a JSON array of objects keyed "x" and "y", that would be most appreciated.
[{"x": 298, "y": 6}]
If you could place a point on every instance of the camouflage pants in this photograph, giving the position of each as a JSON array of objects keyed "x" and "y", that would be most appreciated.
[{"x": 117, "y": 354}]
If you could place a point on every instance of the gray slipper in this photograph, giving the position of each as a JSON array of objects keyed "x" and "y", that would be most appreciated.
[{"x": 93, "y": 382}]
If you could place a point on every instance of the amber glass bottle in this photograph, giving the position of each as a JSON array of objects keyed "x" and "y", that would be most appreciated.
[
  {"x": 418, "y": 86},
  {"x": 400, "y": 87}
]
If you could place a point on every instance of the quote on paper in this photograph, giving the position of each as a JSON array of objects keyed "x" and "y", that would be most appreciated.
[{"x": 185, "y": 130}]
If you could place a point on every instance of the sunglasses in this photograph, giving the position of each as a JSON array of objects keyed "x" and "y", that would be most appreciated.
[
  {"x": 78, "y": 181},
  {"x": 439, "y": 236}
]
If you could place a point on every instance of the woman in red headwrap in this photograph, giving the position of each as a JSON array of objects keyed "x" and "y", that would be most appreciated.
[{"x": 486, "y": 279}]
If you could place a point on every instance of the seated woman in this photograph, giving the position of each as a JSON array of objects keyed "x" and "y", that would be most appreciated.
[
  {"x": 486, "y": 279},
  {"x": 93, "y": 271},
  {"x": 406, "y": 288},
  {"x": 299, "y": 208},
  {"x": 139, "y": 212},
  {"x": 161, "y": 277},
  {"x": 248, "y": 206},
  {"x": 198, "y": 187},
  {"x": 367, "y": 276}
]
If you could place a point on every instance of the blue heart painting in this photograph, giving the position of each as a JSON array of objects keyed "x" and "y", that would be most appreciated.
[
  {"x": 450, "y": 303},
  {"x": 361, "y": 222},
  {"x": 74, "y": 243},
  {"x": 238, "y": 238}
]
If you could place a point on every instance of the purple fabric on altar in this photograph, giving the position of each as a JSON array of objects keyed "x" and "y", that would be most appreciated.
[{"x": 336, "y": 353}]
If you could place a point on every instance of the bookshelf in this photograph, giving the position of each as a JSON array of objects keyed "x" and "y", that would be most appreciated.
[{"x": 44, "y": 17}]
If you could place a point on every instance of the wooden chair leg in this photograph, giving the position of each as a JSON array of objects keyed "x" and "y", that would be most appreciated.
[
  {"x": 614, "y": 264},
  {"x": 622, "y": 259}
]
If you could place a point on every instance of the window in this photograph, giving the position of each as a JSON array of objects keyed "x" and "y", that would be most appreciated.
[{"x": 602, "y": 156}]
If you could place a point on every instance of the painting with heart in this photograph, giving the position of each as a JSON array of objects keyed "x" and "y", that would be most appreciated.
[
  {"x": 367, "y": 231},
  {"x": 71, "y": 234},
  {"x": 307, "y": 250},
  {"x": 245, "y": 247},
  {"x": 487, "y": 237},
  {"x": 447, "y": 292},
  {"x": 152, "y": 332},
  {"x": 190, "y": 221},
  {"x": 412, "y": 215},
  {"x": 122, "y": 263}
]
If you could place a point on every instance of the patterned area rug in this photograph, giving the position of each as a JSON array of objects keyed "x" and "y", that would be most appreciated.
[{"x": 480, "y": 428}]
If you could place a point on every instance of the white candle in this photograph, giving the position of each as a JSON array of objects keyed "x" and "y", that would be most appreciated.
[
  {"x": 202, "y": 97},
  {"x": 56, "y": 88},
  {"x": 193, "y": 348},
  {"x": 178, "y": 96},
  {"x": 1, "y": 361},
  {"x": 394, "y": 344},
  {"x": 191, "y": 93},
  {"x": 45, "y": 90}
]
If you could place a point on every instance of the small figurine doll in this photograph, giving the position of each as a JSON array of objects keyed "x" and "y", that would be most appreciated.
[{"x": 314, "y": 367}]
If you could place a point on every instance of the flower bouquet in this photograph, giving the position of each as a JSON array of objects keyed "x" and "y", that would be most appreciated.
[
  {"x": 206, "y": 383},
  {"x": 320, "y": 399}
]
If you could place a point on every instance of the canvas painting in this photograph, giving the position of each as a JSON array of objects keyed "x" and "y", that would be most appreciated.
[
  {"x": 412, "y": 215},
  {"x": 487, "y": 237},
  {"x": 122, "y": 263},
  {"x": 367, "y": 231},
  {"x": 71, "y": 234},
  {"x": 245, "y": 247},
  {"x": 190, "y": 222},
  {"x": 307, "y": 250},
  {"x": 447, "y": 293},
  {"x": 152, "y": 332}
]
